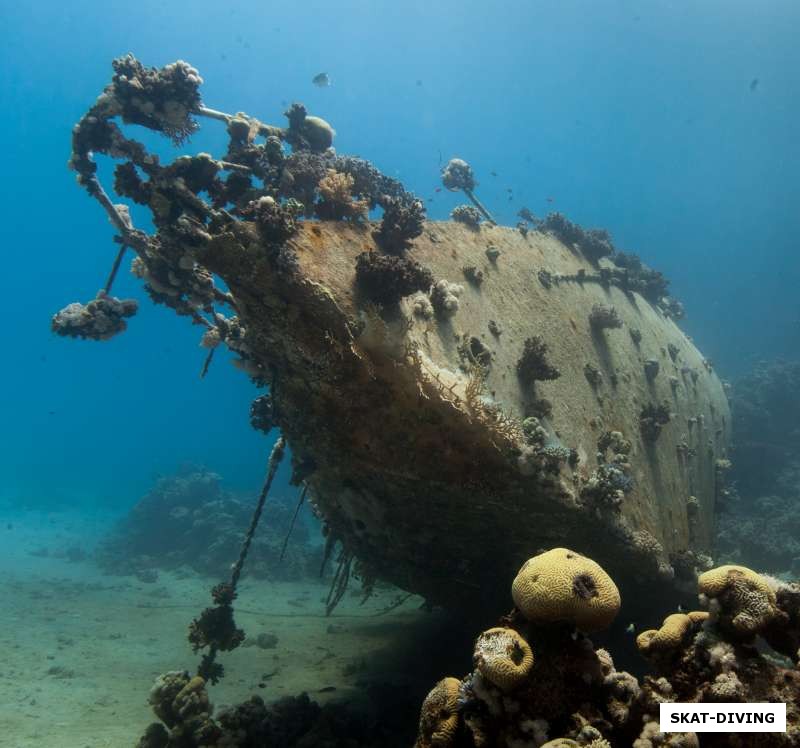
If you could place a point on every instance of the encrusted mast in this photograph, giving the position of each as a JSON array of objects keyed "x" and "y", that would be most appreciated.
[{"x": 444, "y": 429}]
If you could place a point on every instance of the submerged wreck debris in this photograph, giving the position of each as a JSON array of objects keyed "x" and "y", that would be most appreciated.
[
  {"x": 604, "y": 317},
  {"x": 538, "y": 677},
  {"x": 214, "y": 629},
  {"x": 533, "y": 364},
  {"x": 458, "y": 175},
  {"x": 357, "y": 330},
  {"x": 467, "y": 215}
]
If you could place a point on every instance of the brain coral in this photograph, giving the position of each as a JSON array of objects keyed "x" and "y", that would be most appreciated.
[
  {"x": 561, "y": 585},
  {"x": 744, "y": 601},
  {"x": 438, "y": 719},
  {"x": 503, "y": 657},
  {"x": 671, "y": 633}
]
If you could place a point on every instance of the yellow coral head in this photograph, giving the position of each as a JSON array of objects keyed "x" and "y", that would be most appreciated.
[
  {"x": 503, "y": 657},
  {"x": 561, "y": 585},
  {"x": 746, "y": 602},
  {"x": 438, "y": 719}
]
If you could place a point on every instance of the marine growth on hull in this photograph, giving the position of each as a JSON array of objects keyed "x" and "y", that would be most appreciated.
[{"x": 457, "y": 396}]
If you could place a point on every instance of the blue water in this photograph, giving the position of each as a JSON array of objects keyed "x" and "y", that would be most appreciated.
[{"x": 637, "y": 117}]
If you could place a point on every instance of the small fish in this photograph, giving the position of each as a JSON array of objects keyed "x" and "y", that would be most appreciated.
[
  {"x": 549, "y": 199},
  {"x": 754, "y": 84},
  {"x": 680, "y": 608},
  {"x": 630, "y": 628},
  {"x": 327, "y": 689},
  {"x": 321, "y": 80},
  {"x": 508, "y": 189},
  {"x": 419, "y": 82},
  {"x": 493, "y": 173},
  {"x": 438, "y": 189}
]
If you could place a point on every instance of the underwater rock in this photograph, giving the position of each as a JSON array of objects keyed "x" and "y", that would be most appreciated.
[{"x": 414, "y": 456}]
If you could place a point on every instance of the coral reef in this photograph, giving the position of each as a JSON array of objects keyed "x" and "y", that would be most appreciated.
[
  {"x": 759, "y": 522},
  {"x": 188, "y": 720},
  {"x": 571, "y": 694},
  {"x": 190, "y": 520},
  {"x": 766, "y": 414}
]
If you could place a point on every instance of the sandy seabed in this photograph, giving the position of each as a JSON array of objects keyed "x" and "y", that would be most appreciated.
[{"x": 81, "y": 648}]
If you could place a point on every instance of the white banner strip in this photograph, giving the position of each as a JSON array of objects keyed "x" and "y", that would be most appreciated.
[{"x": 733, "y": 717}]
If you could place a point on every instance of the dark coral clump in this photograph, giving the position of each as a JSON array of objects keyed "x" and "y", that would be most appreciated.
[
  {"x": 276, "y": 221},
  {"x": 215, "y": 628},
  {"x": 533, "y": 364},
  {"x": 261, "y": 413},
  {"x": 652, "y": 419},
  {"x": 368, "y": 182},
  {"x": 636, "y": 276},
  {"x": 306, "y": 132},
  {"x": 402, "y": 222},
  {"x": 300, "y": 175},
  {"x": 458, "y": 175},
  {"x": 385, "y": 279},
  {"x": 467, "y": 215},
  {"x": 102, "y": 318},
  {"x": 604, "y": 317},
  {"x": 593, "y": 243},
  {"x": 160, "y": 99}
]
